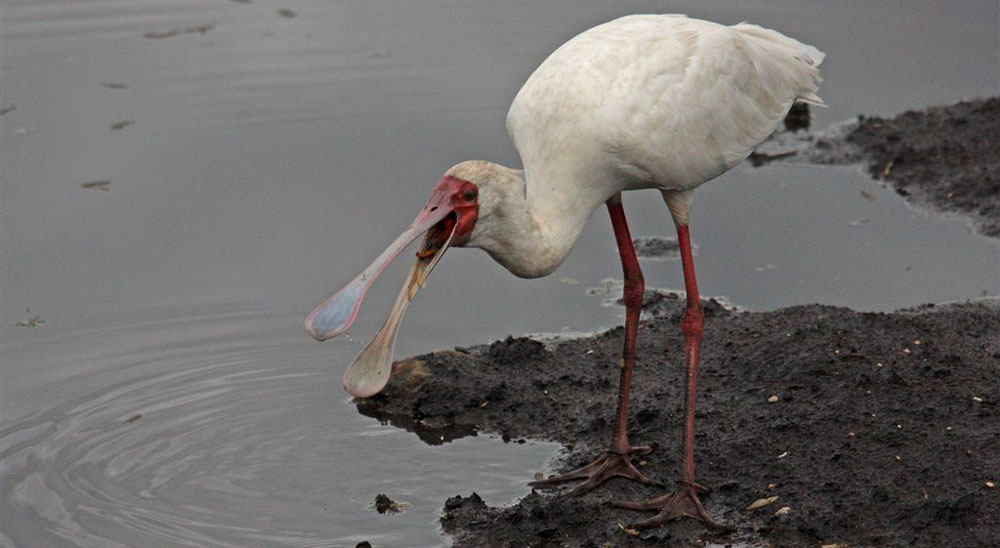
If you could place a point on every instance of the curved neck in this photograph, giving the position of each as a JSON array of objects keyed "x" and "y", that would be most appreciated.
[{"x": 534, "y": 224}]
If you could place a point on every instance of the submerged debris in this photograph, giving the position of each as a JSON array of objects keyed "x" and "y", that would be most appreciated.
[
  {"x": 97, "y": 185},
  {"x": 758, "y": 159},
  {"x": 193, "y": 29},
  {"x": 656, "y": 247},
  {"x": 34, "y": 321},
  {"x": 383, "y": 504}
]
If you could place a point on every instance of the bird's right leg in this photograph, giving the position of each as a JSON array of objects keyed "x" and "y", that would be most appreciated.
[
  {"x": 684, "y": 501},
  {"x": 616, "y": 461}
]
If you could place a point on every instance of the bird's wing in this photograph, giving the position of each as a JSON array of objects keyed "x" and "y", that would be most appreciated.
[
  {"x": 670, "y": 101},
  {"x": 680, "y": 128}
]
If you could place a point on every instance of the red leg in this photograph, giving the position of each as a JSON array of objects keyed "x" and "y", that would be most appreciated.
[
  {"x": 684, "y": 500},
  {"x": 616, "y": 461}
]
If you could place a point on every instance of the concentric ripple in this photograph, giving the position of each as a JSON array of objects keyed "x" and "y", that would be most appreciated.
[{"x": 208, "y": 432}]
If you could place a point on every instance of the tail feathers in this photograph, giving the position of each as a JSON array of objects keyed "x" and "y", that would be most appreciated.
[
  {"x": 800, "y": 62},
  {"x": 812, "y": 99}
]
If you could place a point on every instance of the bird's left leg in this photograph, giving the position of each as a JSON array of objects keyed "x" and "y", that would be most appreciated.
[
  {"x": 684, "y": 501},
  {"x": 616, "y": 461}
]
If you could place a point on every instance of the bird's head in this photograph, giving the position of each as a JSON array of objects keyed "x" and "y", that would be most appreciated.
[{"x": 449, "y": 218}]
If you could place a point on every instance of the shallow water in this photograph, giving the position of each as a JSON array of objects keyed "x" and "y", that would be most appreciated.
[{"x": 270, "y": 158}]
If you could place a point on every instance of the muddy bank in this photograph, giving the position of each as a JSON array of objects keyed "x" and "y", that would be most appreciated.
[
  {"x": 944, "y": 158},
  {"x": 884, "y": 432},
  {"x": 871, "y": 429}
]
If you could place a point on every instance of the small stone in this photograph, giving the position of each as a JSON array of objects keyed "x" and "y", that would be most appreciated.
[
  {"x": 760, "y": 503},
  {"x": 990, "y": 485},
  {"x": 772, "y": 399},
  {"x": 783, "y": 511},
  {"x": 384, "y": 504},
  {"x": 627, "y": 530},
  {"x": 453, "y": 502}
]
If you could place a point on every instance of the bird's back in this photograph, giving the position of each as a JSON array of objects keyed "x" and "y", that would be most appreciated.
[{"x": 658, "y": 101}]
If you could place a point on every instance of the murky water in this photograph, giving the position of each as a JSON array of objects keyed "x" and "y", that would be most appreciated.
[{"x": 171, "y": 397}]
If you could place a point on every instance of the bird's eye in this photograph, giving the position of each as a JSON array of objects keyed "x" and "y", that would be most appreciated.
[{"x": 470, "y": 195}]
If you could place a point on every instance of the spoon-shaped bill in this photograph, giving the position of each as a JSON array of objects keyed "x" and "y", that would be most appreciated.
[
  {"x": 370, "y": 371},
  {"x": 337, "y": 313}
]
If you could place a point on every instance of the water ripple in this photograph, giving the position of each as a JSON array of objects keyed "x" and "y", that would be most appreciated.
[{"x": 215, "y": 430}]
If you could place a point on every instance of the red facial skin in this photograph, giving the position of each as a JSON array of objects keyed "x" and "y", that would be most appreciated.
[{"x": 464, "y": 201}]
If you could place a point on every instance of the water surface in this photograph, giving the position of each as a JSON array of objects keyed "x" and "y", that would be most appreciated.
[{"x": 171, "y": 397}]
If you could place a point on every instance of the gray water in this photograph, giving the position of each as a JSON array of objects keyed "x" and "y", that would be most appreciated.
[{"x": 171, "y": 397}]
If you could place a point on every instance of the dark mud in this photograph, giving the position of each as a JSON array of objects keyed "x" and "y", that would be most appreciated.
[
  {"x": 656, "y": 247},
  {"x": 884, "y": 432},
  {"x": 871, "y": 429},
  {"x": 943, "y": 158}
]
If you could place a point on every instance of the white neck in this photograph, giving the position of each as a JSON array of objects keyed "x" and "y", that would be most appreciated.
[{"x": 528, "y": 227}]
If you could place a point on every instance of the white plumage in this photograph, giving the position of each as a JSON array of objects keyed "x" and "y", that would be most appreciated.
[
  {"x": 658, "y": 101},
  {"x": 645, "y": 101}
]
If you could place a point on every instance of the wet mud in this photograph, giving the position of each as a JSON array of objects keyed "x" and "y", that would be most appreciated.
[
  {"x": 873, "y": 429},
  {"x": 656, "y": 247},
  {"x": 838, "y": 428},
  {"x": 943, "y": 158}
]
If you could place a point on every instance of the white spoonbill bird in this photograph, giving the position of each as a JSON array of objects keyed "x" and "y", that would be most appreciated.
[{"x": 642, "y": 102}]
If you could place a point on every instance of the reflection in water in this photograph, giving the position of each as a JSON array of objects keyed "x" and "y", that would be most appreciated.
[{"x": 429, "y": 433}]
